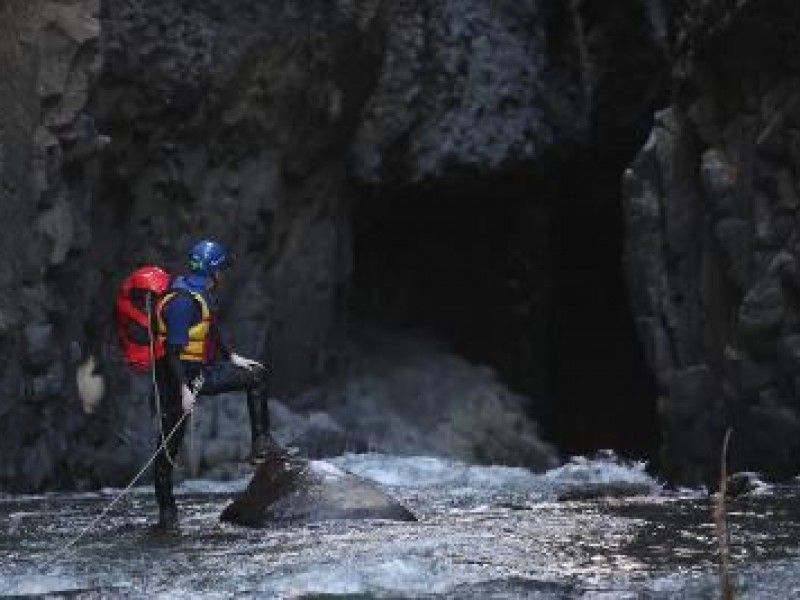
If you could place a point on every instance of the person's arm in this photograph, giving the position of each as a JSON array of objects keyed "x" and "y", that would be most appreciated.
[
  {"x": 223, "y": 342},
  {"x": 226, "y": 350},
  {"x": 172, "y": 355}
]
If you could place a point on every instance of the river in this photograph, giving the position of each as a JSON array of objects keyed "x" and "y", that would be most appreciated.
[{"x": 483, "y": 533}]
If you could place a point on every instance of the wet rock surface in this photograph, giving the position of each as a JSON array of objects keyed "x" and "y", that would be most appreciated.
[
  {"x": 50, "y": 60},
  {"x": 711, "y": 212},
  {"x": 294, "y": 490},
  {"x": 404, "y": 395}
]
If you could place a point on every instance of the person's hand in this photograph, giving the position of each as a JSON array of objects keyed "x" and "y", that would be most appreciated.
[
  {"x": 187, "y": 398},
  {"x": 246, "y": 363}
]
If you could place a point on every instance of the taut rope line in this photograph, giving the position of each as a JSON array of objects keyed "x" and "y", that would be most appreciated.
[
  {"x": 133, "y": 481},
  {"x": 196, "y": 385}
]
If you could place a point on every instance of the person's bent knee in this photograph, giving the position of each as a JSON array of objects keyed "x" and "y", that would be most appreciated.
[{"x": 257, "y": 378}]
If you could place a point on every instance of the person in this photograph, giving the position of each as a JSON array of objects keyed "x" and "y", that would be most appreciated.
[{"x": 198, "y": 360}]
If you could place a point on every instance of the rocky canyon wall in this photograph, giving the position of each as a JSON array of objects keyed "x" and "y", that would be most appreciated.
[
  {"x": 283, "y": 127},
  {"x": 711, "y": 209},
  {"x": 50, "y": 60}
]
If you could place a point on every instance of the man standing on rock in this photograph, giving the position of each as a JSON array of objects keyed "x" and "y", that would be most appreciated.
[{"x": 198, "y": 360}]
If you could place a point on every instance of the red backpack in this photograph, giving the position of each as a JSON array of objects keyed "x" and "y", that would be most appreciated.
[{"x": 134, "y": 315}]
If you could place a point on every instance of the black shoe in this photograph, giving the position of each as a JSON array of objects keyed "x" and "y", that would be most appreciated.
[
  {"x": 264, "y": 447},
  {"x": 167, "y": 518}
]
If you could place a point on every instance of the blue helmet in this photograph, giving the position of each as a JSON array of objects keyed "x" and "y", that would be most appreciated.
[{"x": 207, "y": 257}]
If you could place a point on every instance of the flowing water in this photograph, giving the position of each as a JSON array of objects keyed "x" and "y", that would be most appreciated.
[{"x": 483, "y": 532}]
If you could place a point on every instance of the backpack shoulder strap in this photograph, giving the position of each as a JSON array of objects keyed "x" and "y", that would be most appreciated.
[{"x": 202, "y": 306}]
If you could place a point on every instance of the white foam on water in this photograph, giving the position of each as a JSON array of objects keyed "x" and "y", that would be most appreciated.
[
  {"x": 428, "y": 471},
  {"x": 326, "y": 469},
  {"x": 210, "y": 486},
  {"x": 580, "y": 470},
  {"x": 37, "y": 585},
  {"x": 417, "y": 472},
  {"x": 408, "y": 577}
]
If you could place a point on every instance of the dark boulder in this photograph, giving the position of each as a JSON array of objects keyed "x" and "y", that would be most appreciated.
[
  {"x": 291, "y": 489},
  {"x": 745, "y": 483}
]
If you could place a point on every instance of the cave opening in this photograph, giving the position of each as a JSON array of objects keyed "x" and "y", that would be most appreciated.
[
  {"x": 525, "y": 276},
  {"x": 603, "y": 390}
]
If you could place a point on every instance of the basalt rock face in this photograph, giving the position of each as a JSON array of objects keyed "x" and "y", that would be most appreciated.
[
  {"x": 261, "y": 123},
  {"x": 49, "y": 57},
  {"x": 711, "y": 208},
  {"x": 470, "y": 87},
  {"x": 258, "y": 122},
  {"x": 228, "y": 120},
  {"x": 264, "y": 123}
]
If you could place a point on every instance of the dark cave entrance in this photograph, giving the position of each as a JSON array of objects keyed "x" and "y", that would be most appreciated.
[
  {"x": 603, "y": 391},
  {"x": 511, "y": 274}
]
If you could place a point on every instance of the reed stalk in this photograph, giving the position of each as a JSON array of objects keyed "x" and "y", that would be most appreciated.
[{"x": 720, "y": 514}]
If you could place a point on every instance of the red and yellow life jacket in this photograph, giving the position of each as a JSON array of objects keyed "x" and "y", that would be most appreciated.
[{"x": 201, "y": 346}]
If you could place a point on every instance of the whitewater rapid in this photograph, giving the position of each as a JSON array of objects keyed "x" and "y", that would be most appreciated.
[{"x": 483, "y": 532}]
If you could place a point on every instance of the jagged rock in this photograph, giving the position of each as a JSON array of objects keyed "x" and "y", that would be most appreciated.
[
  {"x": 790, "y": 353},
  {"x": 736, "y": 78},
  {"x": 719, "y": 180},
  {"x": 745, "y": 483},
  {"x": 295, "y": 490},
  {"x": 494, "y": 101},
  {"x": 735, "y": 239},
  {"x": 763, "y": 309}
]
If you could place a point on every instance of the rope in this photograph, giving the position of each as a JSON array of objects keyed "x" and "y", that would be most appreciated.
[
  {"x": 133, "y": 481},
  {"x": 192, "y": 456},
  {"x": 196, "y": 385}
]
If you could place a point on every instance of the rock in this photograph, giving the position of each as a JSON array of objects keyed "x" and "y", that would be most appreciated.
[
  {"x": 508, "y": 108},
  {"x": 706, "y": 120},
  {"x": 78, "y": 21},
  {"x": 762, "y": 310},
  {"x": 250, "y": 124},
  {"x": 754, "y": 376},
  {"x": 719, "y": 180},
  {"x": 218, "y": 450},
  {"x": 735, "y": 238},
  {"x": 49, "y": 55},
  {"x": 39, "y": 340},
  {"x": 785, "y": 190},
  {"x": 735, "y": 311},
  {"x": 790, "y": 353},
  {"x": 596, "y": 491},
  {"x": 404, "y": 395},
  {"x": 745, "y": 483},
  {"x": 690, "y": 389},
  {"x": 294, "y": 490}
]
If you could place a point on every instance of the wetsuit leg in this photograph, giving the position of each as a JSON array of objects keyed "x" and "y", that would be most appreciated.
[
  {"x": 171, "y": 415},
  {"x": 221, "y": 377}
]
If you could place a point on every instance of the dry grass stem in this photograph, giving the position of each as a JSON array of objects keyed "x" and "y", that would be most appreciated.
[{"x": 720, "y": 515}]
